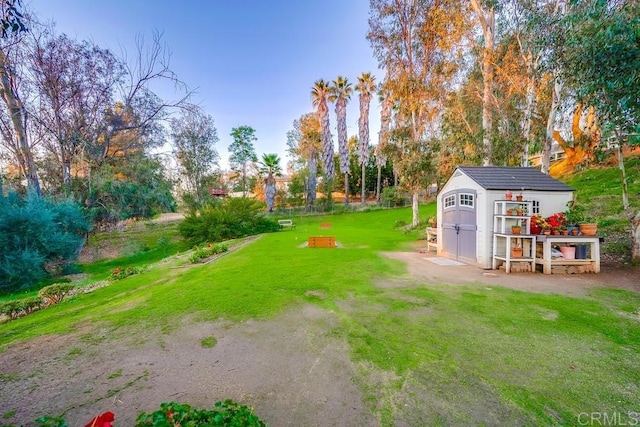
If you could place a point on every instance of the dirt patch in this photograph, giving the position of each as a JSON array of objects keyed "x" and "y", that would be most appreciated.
[
  {"x": 420, "y": 270},
  {"x": 290, "y": 368}
]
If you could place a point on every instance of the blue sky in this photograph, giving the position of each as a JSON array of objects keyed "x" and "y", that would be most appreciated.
[{"x": 252, "y": 62}]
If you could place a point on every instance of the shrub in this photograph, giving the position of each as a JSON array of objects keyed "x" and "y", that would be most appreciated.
[
  {"x": 55, "y": 293},
  {"x": 36, "y": 232},
  {"x": 207, "y": 251},
  {"x": 393, "y": 196},
  {"x": 20, "y": 307},
  {"x": 120, "y": 273},
  {"x": 234, "y": 218},
  {"x": 227, "y": 413}
]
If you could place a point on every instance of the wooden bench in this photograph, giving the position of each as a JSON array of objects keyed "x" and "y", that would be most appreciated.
[
  {"x": 322, "y": 242},
  {"x": 286, "y": 223}
]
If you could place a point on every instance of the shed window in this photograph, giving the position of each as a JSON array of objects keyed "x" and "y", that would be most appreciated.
[
  {"x": 466, "y": 200},
  {"x": 535, "y": 207},
  {"x": 450, "y": 201}
]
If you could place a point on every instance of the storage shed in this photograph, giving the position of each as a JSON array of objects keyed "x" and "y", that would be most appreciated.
[{"x": 466, "y": 207}]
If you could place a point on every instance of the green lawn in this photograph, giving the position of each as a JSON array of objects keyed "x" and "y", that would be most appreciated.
[{"x": 428, "y": 354}]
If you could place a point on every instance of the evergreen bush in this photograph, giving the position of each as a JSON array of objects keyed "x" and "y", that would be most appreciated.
[
  {"x": 232, "y": 219},
  {"x": 36, "y": 232}
]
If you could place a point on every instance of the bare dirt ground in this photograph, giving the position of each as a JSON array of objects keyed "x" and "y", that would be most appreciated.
[{"x": 293, "y": 369}]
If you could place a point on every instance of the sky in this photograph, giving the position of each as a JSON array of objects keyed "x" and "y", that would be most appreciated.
[{"x": 251, "y": 62}]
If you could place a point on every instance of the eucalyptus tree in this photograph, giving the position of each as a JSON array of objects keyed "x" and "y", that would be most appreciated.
[
  {"x": 386, "y": 103},
  {"x": 270, "y": 168},
  {"x": 194, "y": 137},
  {"x": 305, "y": 145},
  {"x": 366, "y": 86},
  {"x": 340, "y": 94},
  {"x": 419, "y": 43},
  {"x": 14, "y": 123},
  {"x": 486, "y": 16},
  {"x": 242, "y": 152},
  {"x": 320, "y": 93}
]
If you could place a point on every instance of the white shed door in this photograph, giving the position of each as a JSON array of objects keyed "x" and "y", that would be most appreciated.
[{"x": 459, "y": 223}]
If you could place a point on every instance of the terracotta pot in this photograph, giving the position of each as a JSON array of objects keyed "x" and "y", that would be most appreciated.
[
  {"x": 564, "y": 232},
  {"x": 507, "y": 196},
  {"x": 519, "y": 212},
  {"x": 519, "y": 198},
  {"x": 547, "y": 232},
  {"x": 574, "y": 232},
  {"x": 516, "y": 230},
  {"x": 588, "y": 229},
  {"x": 555, "y": 232},
  {"x": 516, "y": 252}
]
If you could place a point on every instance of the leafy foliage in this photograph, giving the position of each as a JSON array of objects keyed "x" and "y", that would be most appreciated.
[
  {"x": 205, "y": 252},
  {"x": 55, "y": 293},
  {"x": 234, "y": 218},
  {"x": 227, "y": 413},
  {"x": 120, "y": 273},
  {"x": 20, "y": 307},
  {"x": 36, "y": 231}
]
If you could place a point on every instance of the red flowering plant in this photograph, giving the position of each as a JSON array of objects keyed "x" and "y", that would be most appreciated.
[
  {"x": 538, "y": 224},
  {"x": 557, "y": 221}
]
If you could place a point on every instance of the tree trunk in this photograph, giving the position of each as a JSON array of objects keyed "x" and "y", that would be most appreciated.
[
  {"x": 487, "y": 22},
  {"x": 363, "y": 196},
  {"x": 623, "y": 173},
  {"x": 378, "y": 184},
  {"x": 551, "y": 121},
  {"x": 635, "y": 232},
  {"x": 346, "y": 189},
  {"x": 415, "y": 208},
  {"x": 311, "y": 190},
  {"x": 18, "y": 116},
  {"x": 528, "y": 113}
]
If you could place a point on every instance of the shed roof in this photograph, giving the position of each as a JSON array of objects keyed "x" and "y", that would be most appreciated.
[{"x": 513, "y": 178}]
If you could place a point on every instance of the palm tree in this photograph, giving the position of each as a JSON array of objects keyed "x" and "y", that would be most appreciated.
[
  {"x": 340, "y": 93},
  {"x": 319, "y": 94},
  {"x": 366, "y": 85},
  {"x": 383, "y": 136},
  {"x": 270, "y": 166}
]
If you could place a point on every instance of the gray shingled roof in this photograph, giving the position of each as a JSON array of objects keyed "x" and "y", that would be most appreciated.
[{"x": 514, "y": 179}]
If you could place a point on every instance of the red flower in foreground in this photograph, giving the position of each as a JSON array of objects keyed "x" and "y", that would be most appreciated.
[{"x": 103, "y": 420}]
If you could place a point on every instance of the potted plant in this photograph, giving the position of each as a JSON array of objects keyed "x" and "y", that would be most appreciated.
[
  {"x": 508, "y": 195},
  {"x": 589, "y": 227},
  {"x": 516, "y": 229},
  {"x": 575, "y": 214},
  {"x": 516, "y": 251},
  {"x": 556, "y": 222},
  {"x": 538, "y": 224},
  {"x": 433, "y": 222}
]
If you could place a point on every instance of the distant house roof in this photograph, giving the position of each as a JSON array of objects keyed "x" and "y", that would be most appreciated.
[
  {"x": 218, "y": 192},
  {"x": 513, "y": 178}
]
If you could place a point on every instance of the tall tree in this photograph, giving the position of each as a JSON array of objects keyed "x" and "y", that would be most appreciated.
[
  {"x": 340, "y": 94},
  {"x": 486, "y": 16},
  {"x": 242, "y": 152},
  {"x": 383, "y": 136},
  {"x": 305, "y": 146},
  {"x": 12, "y": 26},
  {"x": 270, "y": 168},
  {"x": 194, "y": 137},
  {"x": 366, "y": 86},
  {"x": 320, "y": 93},
  {"x": 75, "y": 83},
  {"x": 418, "y": 42}
]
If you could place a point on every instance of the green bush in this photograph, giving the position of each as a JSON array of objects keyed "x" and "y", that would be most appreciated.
[
  {"x": 36, "y": 232},
  {"x": 20, "y": 307},
  {"x": 209, "y": 250},
  {"x": 393, "y": 196},
  {"x": 232, "y": 219},
  {"x": 55, "y": 293},
  {"x": 120, "y": 273},
  {"x": 227, "y": 413}
]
